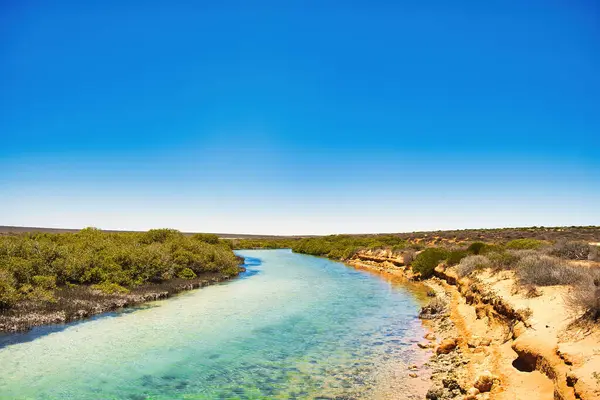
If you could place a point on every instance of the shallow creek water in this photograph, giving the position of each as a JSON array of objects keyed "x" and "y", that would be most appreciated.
[{"x": 292, "y": 326}]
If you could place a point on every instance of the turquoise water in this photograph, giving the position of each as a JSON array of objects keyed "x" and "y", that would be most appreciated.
[{"x": 292, "y": 326}]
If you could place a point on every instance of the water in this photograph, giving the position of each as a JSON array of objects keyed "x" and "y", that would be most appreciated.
[{"x": 293, "y": 326}]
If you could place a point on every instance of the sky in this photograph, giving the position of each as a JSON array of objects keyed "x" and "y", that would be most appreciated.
[{"x": 299, "y": 117}]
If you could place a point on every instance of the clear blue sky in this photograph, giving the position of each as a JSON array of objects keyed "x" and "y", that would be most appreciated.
[{"x": 300, "y": 117}]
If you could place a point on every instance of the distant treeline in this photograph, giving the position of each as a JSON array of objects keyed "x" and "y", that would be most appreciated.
[
  {"x": 33, "y": 265},
  {"x": 337, "y": 247}
]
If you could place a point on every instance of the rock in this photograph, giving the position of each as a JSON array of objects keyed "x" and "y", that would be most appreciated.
[
  {"x": 518, "y": 329},
  {"x": 480, "y": 311},
  {"x": 473, "y": 391},
  {"x": 476, "y": 341},
  {"x": 451, "y": 384},
  {"x": 425, "y": 345},
  {"x": 429, "y": 336},
  {"x": 413, "y": 367},
  {"x": 412, "y": 375},
  {"x": 435, "y": 393},
  {"x": 485, "y": 381},
  {"x": 446, "y": 346}
]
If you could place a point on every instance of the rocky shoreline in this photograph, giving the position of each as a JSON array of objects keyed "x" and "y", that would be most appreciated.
[
  {"x": 491, "y": 340},
  {"x": 81, "y": 302}
]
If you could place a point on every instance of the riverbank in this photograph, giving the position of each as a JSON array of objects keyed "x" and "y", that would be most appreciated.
[
  {"x": 83, "y": 301},
  {"x": 53, "y": 278},
  {"x": 494, "y": 340},
  {"x": 292, "y": 326}
]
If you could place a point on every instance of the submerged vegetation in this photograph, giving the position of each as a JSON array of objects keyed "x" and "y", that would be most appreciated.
[{"x": 34, "y": 265}]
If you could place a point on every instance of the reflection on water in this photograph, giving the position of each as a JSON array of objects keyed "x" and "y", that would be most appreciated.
[{"x": 293, "y": 326}]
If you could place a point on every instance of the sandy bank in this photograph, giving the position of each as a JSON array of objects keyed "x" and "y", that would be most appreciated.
[{"x": 495, "y": 340}]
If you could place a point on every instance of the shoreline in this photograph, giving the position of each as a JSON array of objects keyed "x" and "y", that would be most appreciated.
[
  {"x": 490, "y": 341},
  {"x": 82, "y": 302}
]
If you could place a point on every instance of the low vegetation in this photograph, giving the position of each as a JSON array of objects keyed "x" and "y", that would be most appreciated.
[
  {"x": 586, "y": 295},
  {"x": 240, "y": 244},
  {"x": 538, "y": 256},
  {"x": 472, "y": 263},
  {"x": 342, "y": 247},
  {"x": 573, "y": 250},
  {"x": 34, "y": 265},
  {"x": 543, "y": 270},
  {"x": 427, "y": 260},
  {"x": 525, "y": 244}
]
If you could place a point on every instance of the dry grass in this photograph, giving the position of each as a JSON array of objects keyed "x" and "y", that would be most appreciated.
[
  {"x": 594, "y": 253},
  {"x": 472, "y": 263},
  {"x": 408, "y": 256},
  {"x": 543, "y": 270},
  {"x": 571, "y": 250},
  {"x": 585, "y": 296}
]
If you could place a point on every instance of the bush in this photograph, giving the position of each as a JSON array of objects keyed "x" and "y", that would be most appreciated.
[
  {"x": 45, "y": 282},
  {"x": 425, "y": 263},
  {"x": 110, "y": 288},
  {"x": 336, "y": 246},
  {"x": 341, "y": 254},
  {"x": 456, "y": 256},
  {"x": 525, "y": 244},
  {"x": 572, "y": 250},
  {"x": 476, "y": 247},
  {"x": 40, "y": 294},
  {"x": 543, "y": 270},
  {"x": 408, "y": 256},
  {"x": 585, "y": 296},
  {"x": 186, "y": 273},
  {"x": 8, "y": 293},
  {"x": 472, "y": 263},
  {"x": 503, "y": 259},
  {"x": 34, "y": 265},
  {"x": 594, "y": 253},
  {"x": 160, "y": 235},
  {"x": 206, "y": 238}
]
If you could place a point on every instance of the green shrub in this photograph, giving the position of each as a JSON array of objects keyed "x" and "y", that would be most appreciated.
[
  {"x": 455, "y": 256},
  {"x": 491, "y": 248},
  {"x": 186, "y": 273},
  {"x": 426, "y": 261},
  {"x": 110, "y": 288},
  {"x": 44, "y": 282},
  {"x": 525, "y": 244},
  {"x": 398, "y": 248},
  {"x": 160, "y": 235},
  {"x": 40, "y": 294},
  {"x": 476, "y": 247},
  {"x": 416, "y": 246},
  {"x": 34, "y": 265},
  {"x": 8, "y": 292},
  {"x": 503, "y": 259},
  {"x": 206, "y": 238}
]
